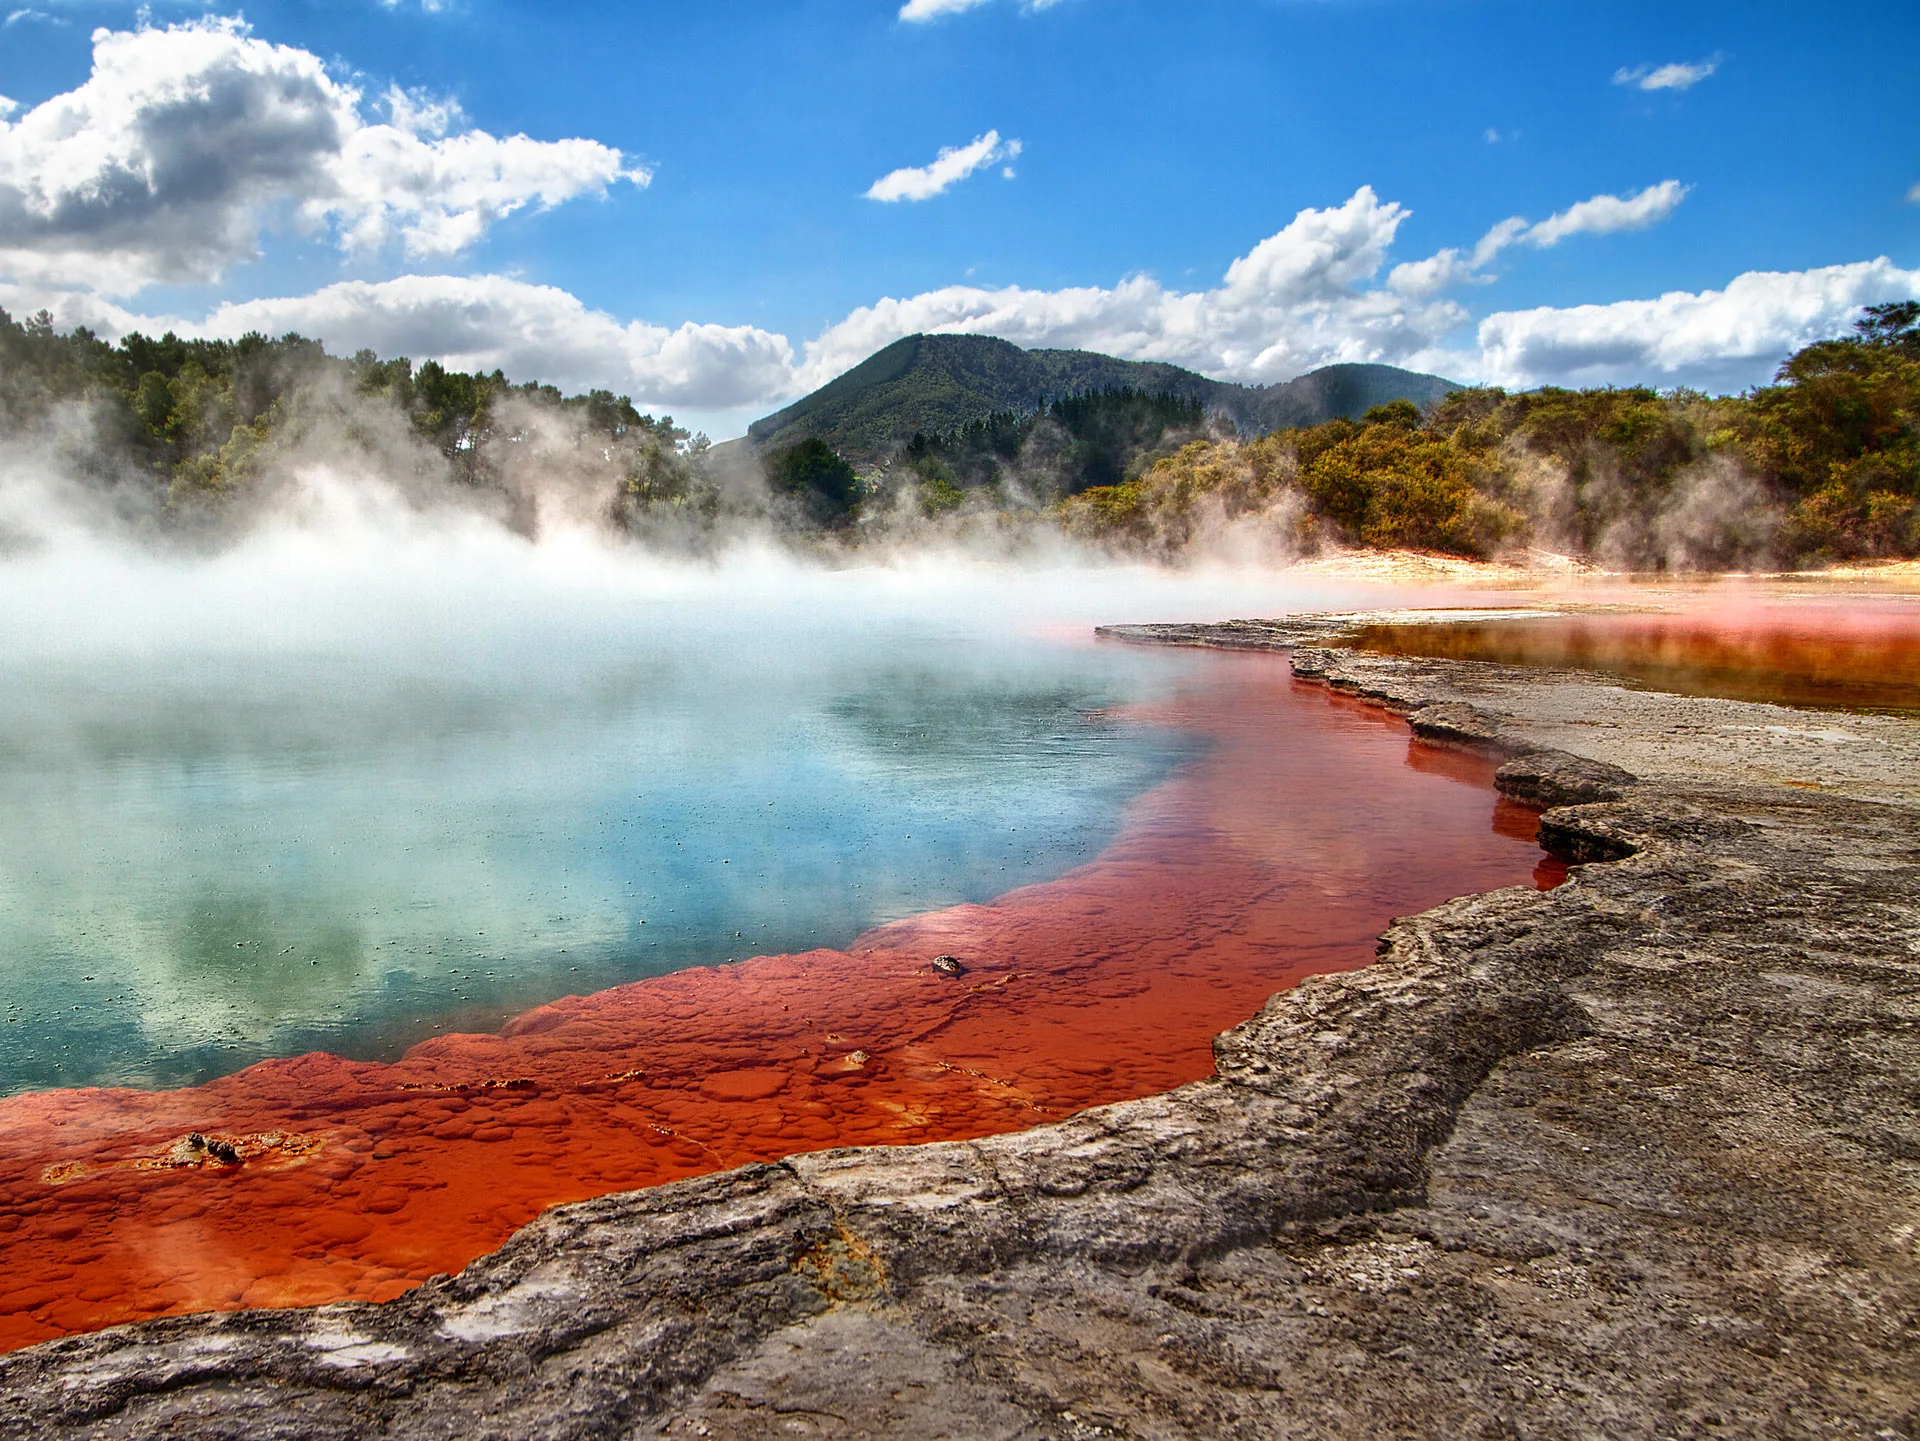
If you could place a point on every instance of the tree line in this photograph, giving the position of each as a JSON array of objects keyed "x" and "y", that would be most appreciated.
[
  {"x": 191, "y": 426},
  {"x": 1822, "y": 465}
]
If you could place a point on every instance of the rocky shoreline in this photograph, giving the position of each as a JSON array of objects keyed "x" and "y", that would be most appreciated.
[{"x": 1638, "y": 1156}]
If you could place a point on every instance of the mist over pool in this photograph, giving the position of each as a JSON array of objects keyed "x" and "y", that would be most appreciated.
[{"x": 348, "y": 786}]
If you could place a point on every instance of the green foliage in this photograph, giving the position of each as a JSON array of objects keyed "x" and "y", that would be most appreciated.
[
  {"x": 1110, "y": 428},
  {"x": 945, "y": 384},
  {"x": 1402, "y": 413},
  {"x": 939, "y": 490},
  {"x": 1825, "y": 464},
  {"x": 664, "y": 478},
  {"x": 199, "y": 420},
  {"x": 1083, "y": 441},
  {"x": 1388, "y": 484},
  {"x": 1841, "y": 431},
  {"x": 1894, "y": 326},
  {"x": 1161, "y": 510},
  {"x": 823, "y": 484}
]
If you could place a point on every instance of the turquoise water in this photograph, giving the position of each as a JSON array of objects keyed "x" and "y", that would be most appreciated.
[{"x": 223, "y": 839}]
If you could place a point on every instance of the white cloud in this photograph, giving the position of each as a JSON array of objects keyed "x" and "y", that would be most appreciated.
[
  {"x": 1713, "y": 338},
  {"x": 924, "y": 10},
  {"x": 185, "y": 142},
  {"x": 1296, "y": 300},
  {"x": 1447, "y": 268},
  {"x": 1497, "y": 240},
  {"x": 1608, "y": 214},
  {"x": 933, "y": 9},
  {"x": 533, "y": 332},
  {"x": 78, "y": 307},
  {"x": 1600, "y": 215},
  {"x": 1306, "y": 296},
  {"x": 1913, "y": 195},
  {"x": 1675, "y": 76},
  {"x": 720, "y": 376},
  {"x": 415, "y": 112},
  {"x": 954, "y": 164}
]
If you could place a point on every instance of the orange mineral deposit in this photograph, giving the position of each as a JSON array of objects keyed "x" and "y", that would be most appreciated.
[{"x": 1280, "y": 851}]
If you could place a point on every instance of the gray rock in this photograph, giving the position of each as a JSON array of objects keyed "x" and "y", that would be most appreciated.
[
  {"x": 1457, "y": 723},
  {"x": 1555, "y": 778}
]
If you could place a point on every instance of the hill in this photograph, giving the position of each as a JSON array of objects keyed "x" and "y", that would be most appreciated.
[{"x": 937, "y": 384}]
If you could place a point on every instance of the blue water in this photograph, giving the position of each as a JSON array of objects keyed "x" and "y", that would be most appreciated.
[{"x": 353, "y": 836}]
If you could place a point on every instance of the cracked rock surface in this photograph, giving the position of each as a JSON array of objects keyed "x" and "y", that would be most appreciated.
[{"x": 1636, "y": 1157}]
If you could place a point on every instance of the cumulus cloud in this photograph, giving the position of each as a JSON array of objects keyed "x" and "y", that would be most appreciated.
[
  {"x": 1296, "y": 300},
  {"x": 1712, "y": 338},
  {"x": 1675, "y": 76},
  {"x": 1309, "y": 295},
  {"x": 185, "y": 141},
  {"x": 490, "y": 322},
  {"x": 954, "y": 164},
  {"x": 70, "y": 308},
  {"x": 1451, "y": 266},
  {"x": 1600, "y": 215},
  {"x": 481, "y": 323}
]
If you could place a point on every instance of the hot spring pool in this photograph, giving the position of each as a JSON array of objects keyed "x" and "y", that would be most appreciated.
[
  {"x": 212, "y": 858},
  {"x": 351, "y": 915},
  {"x": 1794, "y": 651}
]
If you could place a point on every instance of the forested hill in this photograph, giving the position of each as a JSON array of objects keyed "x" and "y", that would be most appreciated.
[{"x": 940, "y": 384}]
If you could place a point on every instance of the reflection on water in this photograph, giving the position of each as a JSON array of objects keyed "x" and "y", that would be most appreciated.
[
  {"x": 209, "y": 860},
  {"x": 1862, "y": 657},
  {"x": 1298, "y": 826},
  {"x": 378, "y": 802}
]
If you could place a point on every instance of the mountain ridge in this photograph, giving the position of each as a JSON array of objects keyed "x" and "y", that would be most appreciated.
[{"x": 936, "y": 384}]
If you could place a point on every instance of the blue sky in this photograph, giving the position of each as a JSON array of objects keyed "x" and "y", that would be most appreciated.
[{"x": 695, "y": 213}]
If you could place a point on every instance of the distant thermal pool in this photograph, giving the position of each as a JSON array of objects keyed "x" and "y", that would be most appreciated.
[{"x": 1792, "y": 651}]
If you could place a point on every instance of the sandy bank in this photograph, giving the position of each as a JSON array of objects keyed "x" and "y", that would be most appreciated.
[{"x": 1542, "y": 570}]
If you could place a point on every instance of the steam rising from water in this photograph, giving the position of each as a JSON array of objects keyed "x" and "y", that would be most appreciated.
[{"x": 382, "y": 768}]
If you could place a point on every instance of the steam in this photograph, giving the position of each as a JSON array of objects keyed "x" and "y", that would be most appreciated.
[
  {"x": 1715, "y": 516},
  {"x": 365, "y": 731},
  {"x": 1718, "y": 517},
  {"x": 352, "y": 534},
  {"x": 315, "y": 750}
]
